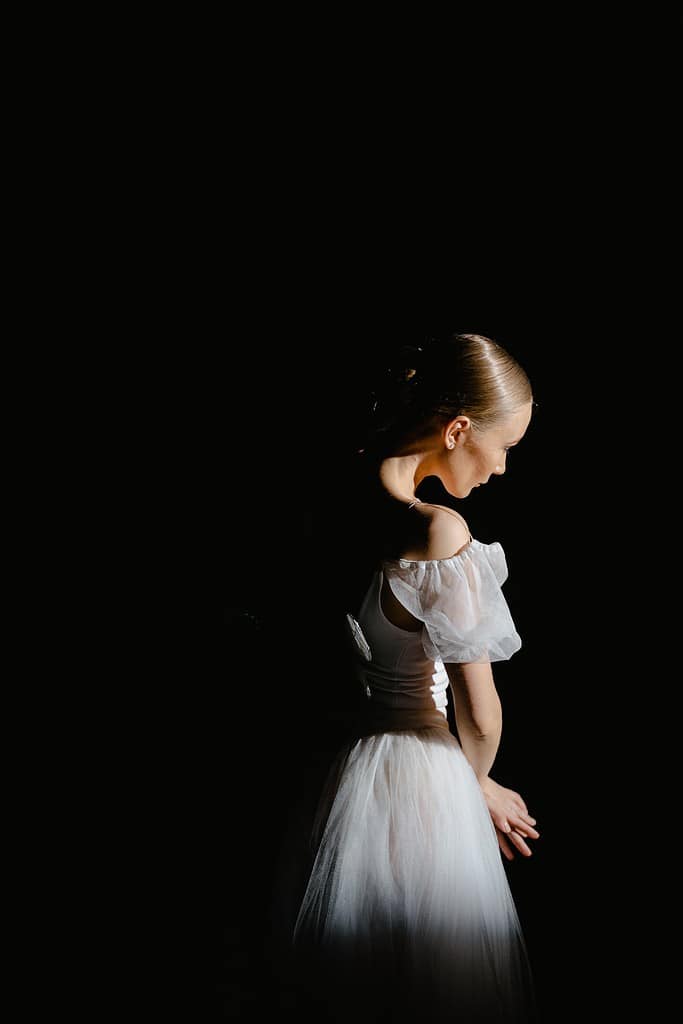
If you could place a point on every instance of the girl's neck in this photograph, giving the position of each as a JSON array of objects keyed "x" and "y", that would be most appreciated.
[{"x": 400, "y": 475}]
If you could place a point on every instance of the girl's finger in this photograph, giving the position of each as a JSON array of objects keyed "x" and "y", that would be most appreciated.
[
  {"x": 501, "y": 822},
  {"x": 525, "y": 814},
  {"x": 505, "y": 846},
  {"x": 526, "y": 830},
  {"x": 514, "y": 812},
  {"x": 519, "y": 843}
]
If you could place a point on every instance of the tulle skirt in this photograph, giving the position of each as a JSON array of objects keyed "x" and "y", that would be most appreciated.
[{"x": 407, "y": 912}]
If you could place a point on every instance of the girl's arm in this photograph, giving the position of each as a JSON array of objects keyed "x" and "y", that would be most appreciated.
[
  {"x": 478, "y": 714},
  {"x": 479, "y": 721}
]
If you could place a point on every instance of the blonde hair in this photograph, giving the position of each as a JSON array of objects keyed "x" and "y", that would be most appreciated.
[
  {"x": 490, "y": 382},
  {"x": 462, "y": 374}
]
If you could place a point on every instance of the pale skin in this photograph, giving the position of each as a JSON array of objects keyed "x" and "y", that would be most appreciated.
[{"x": 463, "y": 457}]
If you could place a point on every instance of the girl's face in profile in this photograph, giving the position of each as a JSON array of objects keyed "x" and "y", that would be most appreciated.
[{"x": 476, "y": 456}]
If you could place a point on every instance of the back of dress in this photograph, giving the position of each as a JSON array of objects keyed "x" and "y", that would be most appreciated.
[
  {"x": 407, "y": 913},
  {"x": 399, "y": 674}
]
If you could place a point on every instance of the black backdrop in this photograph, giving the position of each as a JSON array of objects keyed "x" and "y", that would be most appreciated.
[
  {"x": 280, "y": 339},
  {"x": 305, "y": 243},
  {"x": 283, "y": 404}
]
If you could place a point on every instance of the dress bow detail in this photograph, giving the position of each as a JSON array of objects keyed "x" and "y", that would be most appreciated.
[{"x": 361, "y": 649}]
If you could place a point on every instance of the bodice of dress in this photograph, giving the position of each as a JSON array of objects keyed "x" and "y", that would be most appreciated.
[
  {"x": 465, "y": 618},
  {"x": 399, "y": 674}
]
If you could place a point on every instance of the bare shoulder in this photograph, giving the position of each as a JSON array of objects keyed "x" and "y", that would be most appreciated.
[{"x": 446, "y": 532}]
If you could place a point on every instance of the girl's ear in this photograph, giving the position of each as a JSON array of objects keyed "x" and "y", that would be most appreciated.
[{"x": 455, "y": 429}]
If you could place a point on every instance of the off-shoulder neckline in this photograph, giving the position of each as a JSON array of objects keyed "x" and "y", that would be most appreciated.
[{"x": 407, "y": 562}]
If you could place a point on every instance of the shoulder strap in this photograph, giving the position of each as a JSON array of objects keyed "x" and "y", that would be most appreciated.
[{"x": 445, "y": 508}]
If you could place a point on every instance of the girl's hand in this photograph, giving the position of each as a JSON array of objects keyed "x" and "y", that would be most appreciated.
[{"x": 511, "y": 818}]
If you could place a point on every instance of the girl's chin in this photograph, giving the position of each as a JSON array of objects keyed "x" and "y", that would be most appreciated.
[
  {"x": 463, "y": 492},
  {"x": 471, "y": 488}
]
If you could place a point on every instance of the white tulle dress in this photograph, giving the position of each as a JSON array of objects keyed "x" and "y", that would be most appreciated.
[{"x": 407, "y": 912}]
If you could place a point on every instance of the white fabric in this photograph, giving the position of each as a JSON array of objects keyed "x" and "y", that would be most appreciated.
[
  {"x": 407, "y": 913},
  {"x": 459, "y": 599},
  {"x": 407, "y": 906},
  {"x": 391, "y": 662}
]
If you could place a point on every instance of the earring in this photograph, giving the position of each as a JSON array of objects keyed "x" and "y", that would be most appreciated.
[
  {"x": 451, "y": 444},
  {"x": 497, "y": 467}
]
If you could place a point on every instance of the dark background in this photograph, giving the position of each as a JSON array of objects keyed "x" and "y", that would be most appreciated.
[
  {"x": 284, "y": 406},
  {"x": 553, "y": 239}
]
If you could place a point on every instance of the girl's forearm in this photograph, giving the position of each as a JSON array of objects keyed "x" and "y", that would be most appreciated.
[
  {"x": 478, "y": 713},
  {"x": 479, "y": 748}
]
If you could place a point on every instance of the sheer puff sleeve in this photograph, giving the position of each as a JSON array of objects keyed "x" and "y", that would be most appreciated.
[{"x": 459, "y": 599}]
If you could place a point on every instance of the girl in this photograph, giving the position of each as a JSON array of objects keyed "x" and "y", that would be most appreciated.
[{"x": 407, "y": 911}]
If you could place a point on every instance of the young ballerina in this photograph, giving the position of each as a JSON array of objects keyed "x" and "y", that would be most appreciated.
[{"x": 407, "y": 912}]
